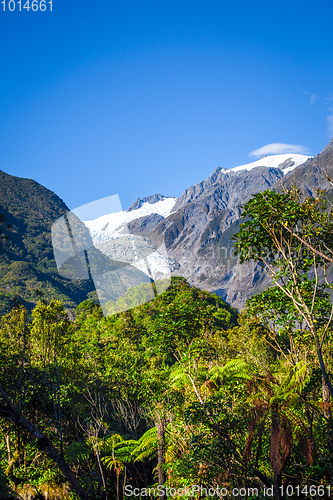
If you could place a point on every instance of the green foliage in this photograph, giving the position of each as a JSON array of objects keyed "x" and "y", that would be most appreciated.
[
  {"x": 77, "y": 452},
  {"x": 27, "y": 260},
  {"x": 180, "y": 389},
  {"x": 181, "y": 386},
  {"x": 275, "y": 220},
  {"x": 292, "y": 239},
  {"x": 124, "y": 451},
  {"x": 5, "y": 490}
]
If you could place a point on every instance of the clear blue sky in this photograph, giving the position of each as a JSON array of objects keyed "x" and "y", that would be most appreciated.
[{"x": 140, "y": 97}]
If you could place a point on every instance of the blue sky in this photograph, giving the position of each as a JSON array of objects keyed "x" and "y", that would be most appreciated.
[{"x": 142, "y": 97}]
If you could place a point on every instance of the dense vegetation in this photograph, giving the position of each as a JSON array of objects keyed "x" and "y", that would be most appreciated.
[
  {"x": 30, "y": 209},
  {"x": 183, "y": 390}
]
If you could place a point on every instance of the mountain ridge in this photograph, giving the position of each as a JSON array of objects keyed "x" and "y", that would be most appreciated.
[
  {"x": 196, "y": 228},
  {"x": 311, "y": 175},
  {"x": 139, "y": 202},
  {"x": 197, "y": 231},
  {"x": 29, "y": 266}
]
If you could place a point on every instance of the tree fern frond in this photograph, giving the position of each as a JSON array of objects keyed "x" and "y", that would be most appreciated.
[
  {"x": 236, "y": 369},
  {"x": 180, "y": 378},
  {"x": 77, "y": 452},
  {"x": 147, "y": 445}
]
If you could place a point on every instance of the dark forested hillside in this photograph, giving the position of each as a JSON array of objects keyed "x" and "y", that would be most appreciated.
[{"x": 29, "y": 264}]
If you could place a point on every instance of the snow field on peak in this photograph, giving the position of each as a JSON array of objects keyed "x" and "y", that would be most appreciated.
[
  {"x": 273, "y": 161},
  {"x": 111, "y": 225}
]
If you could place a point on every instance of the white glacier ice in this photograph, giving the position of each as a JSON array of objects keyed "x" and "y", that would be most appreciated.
[{"x": 273, "y": 161}]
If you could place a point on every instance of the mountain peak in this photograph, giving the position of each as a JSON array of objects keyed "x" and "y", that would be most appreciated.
[
  {"x": 148, "y": 199},
  {"x": 312, "y": 175},
  {"x": 285, "y": 162},
  {"x": 327, "y": 149},
  {"x": 213, "y": 176}
]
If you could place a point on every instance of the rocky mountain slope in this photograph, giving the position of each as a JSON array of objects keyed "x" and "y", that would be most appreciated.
[
  {"x": 197, "y": 233},
  {"x": 197, "y": 227},
  {"x": 312, "y": 174},
  {"x": 204, "y": 252}
]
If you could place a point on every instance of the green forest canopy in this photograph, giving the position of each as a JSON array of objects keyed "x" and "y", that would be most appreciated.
[{"x": 184, "y": 390}]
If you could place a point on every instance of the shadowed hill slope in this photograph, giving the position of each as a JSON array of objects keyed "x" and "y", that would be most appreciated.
[{"x": 29, "y": 264}]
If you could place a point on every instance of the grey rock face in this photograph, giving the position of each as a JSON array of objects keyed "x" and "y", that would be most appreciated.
[
  {"x": 144, "y": 225},
  {"x": 198, "y": 232},
  {"x": 311, "y": 175},
  {"x": 150, "y": 199},
  {"x": 226, "y": 189},
  {"x": 286, "y": 164}
]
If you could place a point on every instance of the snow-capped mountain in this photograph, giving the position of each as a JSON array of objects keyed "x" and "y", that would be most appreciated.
[
  {"x": 285, "y": 162},
  {"x": 191, "y": 235},
  {"x": 234, "y": 186},
  {"x": 111, "y": 235},
  {"x": 113, "y": 225}
]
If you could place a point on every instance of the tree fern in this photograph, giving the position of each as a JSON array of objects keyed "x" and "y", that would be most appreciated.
[
  {"x": 180, "y": 377},
  {"x": 77, "y": 452},
  {"x": 236, "y": 369},
  {"x": 147, "y": 445}
]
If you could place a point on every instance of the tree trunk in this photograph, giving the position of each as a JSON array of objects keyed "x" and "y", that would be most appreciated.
[
  {"x": 326, "y": 377},
  {"x": 7, "y": 439},
  {"x": 10, "y": 412},
  {"x": 281, "y": 443},
  {"x": 275, "y": 456},
  {"x": 160, "y": 451},
  {"x": 326, "y": 399}
]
